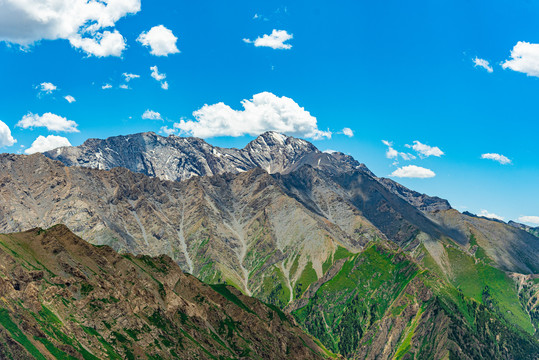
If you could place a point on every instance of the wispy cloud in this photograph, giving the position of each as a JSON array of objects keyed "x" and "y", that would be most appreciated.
[
  {"x": 425, "y": 150},
  {"x": 482, "y": 63},
  {"x": 504, "y": 160}
]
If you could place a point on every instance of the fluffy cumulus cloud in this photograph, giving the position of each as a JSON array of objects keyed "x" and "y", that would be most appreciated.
[
  {"x": 490, "y": 215},
  {"x": 87, "y": 24},
  {"x": 426, "y": 150},
  {"x": 106, "y": 86},
  {"x": 524, "y": 59},
  {"x": 160, "y": 40},
  {"x": 348, "y": 132},
  {"x": 49, "y": 120},
  {"x": 534, "y": 220},
  {"x": 42, "y": 144},
  {"x": 275, "y": 40},
  {"x": 70, "y": 99},
  {"x": 46, "y": 88},
  {"x": 264, "y": 112},
  {"x": 504, "y": 160},
  {"x": 482, "y": 63},
  {"x": 5, "y": 135},
  {"x": 412, "y": 171},
  {"x": 159, "y": 77},
  {"x": 151, "y": 115}
]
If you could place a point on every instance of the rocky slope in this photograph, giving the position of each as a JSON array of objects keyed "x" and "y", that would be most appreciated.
[{"x": 62, "y": 298}]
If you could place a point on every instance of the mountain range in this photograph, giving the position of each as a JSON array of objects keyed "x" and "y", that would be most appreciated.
[{"x": 364, "y": 264}]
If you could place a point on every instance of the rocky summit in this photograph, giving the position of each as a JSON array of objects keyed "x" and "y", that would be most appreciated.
[{"x": 363, "y": 264}]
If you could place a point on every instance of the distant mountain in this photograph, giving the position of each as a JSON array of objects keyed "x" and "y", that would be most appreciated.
[
  {"x": 62, "y": 298},
  {"x": 177, "y": 158},
  {"x": 532, "y": 230},
  {"x": 274, "y": 225}
]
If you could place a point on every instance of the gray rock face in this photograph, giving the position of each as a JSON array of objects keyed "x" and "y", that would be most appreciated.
[
  {"x": 421, "y": 201},
  {"x": 531, "y": 230},
  {"x": 176, "y": 158}
]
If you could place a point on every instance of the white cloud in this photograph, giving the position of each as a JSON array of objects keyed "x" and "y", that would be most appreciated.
[
  {"x": 156, "y": 75},
  {"x": 489, "y": 215},
  {"x": 524, "y": 59},
  {"x": 161, "y": 41},
  {"x": 83, "y": 23},
  {"x": 42, "y": 144},
  {"x": 483, "y": 64},
  {"x": 504, "y": 160},
  {"x": 426, "y": 150},
  {"x": 391, "y": 153},
  {"x": 412, "y": 171},
  {"x": 129, "y": 77},
  {"x": 275, "y": 40},
  {"x": 70, "y": 99},
  {"x": 151, "y": 115},
  {"x": 124, "y": 86},
  {"x": 348, "y": 132},
  {"x": 529, "y": 219},
  {"x": 264, "y": 112},
  {"x": 49, "y": 120},
  {"x": 46, "y": 87},
  {"x": 5, "y": 135},
  {"x": 159, "y": 77},
  {"x": 101, "y": 44},
  {"x": 168, "y": 131},
  {"x": 106, "y": 86}
]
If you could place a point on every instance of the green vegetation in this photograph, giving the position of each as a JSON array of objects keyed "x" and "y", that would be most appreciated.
[
  {"x": 345, "y": 307},
  {"x": 308, "y": 276},
  {"x": 223, "y": 290},
  {"x": 18, "y": 335},
  {"x": 501, "y": 295}
]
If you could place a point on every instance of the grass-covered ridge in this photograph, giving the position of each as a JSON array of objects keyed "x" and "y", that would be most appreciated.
[{"x": 382, "y": 299}]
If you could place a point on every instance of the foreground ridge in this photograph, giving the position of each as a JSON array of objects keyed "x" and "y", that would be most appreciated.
[{"x": 64, "y": 298}]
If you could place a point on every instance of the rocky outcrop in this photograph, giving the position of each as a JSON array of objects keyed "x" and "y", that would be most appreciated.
[
  {"x": 420, "y": 201},
  {"x": 64, "y": 298}
]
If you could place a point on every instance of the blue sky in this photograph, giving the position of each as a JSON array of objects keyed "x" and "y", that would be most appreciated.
[{"x": 390, "y": 71}]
